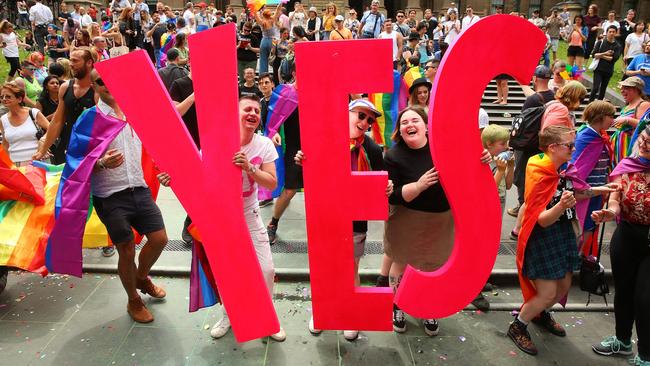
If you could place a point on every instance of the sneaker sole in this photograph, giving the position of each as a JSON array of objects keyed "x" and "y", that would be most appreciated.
[
  {"x": 399, "y": 330},
  {"x": 532, "y": 353},
  {"x": 622, "y": 353},
  {"x": 432, "y": 333},
  {"x": 315, "y": 332}
]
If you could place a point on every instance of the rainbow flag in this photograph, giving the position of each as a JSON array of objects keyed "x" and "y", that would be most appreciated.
[
  {"x": 90, "y": 138},
  {"x": 203, "y": 288},
  {"x": 408, "y": 78},
  {"x": 256, "y": 5},
  {"x": 25, "y": 227},
  {"x": 623, "y": 138},
  {"x": 282, "y": 104},
  {"x": 388, "y": 105},
  {"x": 166, "y": 42}
]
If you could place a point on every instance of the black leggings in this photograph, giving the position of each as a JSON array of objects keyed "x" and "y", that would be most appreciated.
[
  {"x": 630, "y": 255},
  {"x": 599, "y": 88},
  {"x": 14, "y": 63}
]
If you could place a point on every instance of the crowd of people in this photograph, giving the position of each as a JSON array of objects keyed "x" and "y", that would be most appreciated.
[{"x": 48, "y": 91}]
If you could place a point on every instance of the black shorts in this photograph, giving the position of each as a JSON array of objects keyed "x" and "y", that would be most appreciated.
[
  {"x": 14, "y": 65},
  {"x": 575, "y": 51},
  {"x": 130, "y": 208},
  {"x": 292, "y": 171}
]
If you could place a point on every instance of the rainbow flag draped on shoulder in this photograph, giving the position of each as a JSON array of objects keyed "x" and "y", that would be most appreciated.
[
  {"x": 282, "y": 104},
  {"x": 623, "y": 138},
  {"x": 90, "y": 138},
  {"x": 388, "y": 105}
]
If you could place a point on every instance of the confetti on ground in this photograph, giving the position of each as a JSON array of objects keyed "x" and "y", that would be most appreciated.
[
  {"x": 206, "y": 327},
  {"x": 462, "y": 339},
  {"x": 133, "y": 354},
  {"x": 514, "y": 313},
  {"x": 443, "y": 358},
  {"x": 513, "y": 353}
]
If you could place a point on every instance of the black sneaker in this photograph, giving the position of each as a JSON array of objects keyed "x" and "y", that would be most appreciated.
[
  {"x": 382, "y": 281},
  {"x": 546, "y": 321},
  {"x": 431, "y": 327},
  {"x": 185, "y": 234},
  {"x": 518, "y": 332},
  {"x": 612, "y": 346},
  {"x": 265, "y": 203},
  {"x": 488, "y": 287},
  {"x": 4, "y": 272},
  {"x": 271, "y": 229},
  {"x": 481, "y": 303},
  {"x": 399, "y": 321}
]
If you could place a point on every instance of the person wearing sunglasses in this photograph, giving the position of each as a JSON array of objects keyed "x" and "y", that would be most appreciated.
[
  {"x": 420, "y": 229},
  {"x": 29, "y": 83},
  {"x": 630, "y": 254},
  {"x": 547, "y": 253},
  {"x": 366, "y": 155}
]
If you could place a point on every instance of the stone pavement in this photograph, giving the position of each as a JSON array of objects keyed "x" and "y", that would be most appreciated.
[{"x": 61, "y": 320}]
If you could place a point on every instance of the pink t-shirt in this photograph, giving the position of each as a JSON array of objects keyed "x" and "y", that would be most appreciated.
[
  {"x": 556, "y": 114},
  {"x": 259, "y": 151},
  {"x": 575, "y": 39}
]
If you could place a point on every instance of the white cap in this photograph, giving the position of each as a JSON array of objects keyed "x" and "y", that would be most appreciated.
[
  {"x": 339, "y": 18},
  {"x": 364, "y": 103}
]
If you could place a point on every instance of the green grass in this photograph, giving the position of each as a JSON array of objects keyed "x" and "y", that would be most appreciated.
[
  {"x": 618, "y": 67},
  {"x": 4, "y": 65}
]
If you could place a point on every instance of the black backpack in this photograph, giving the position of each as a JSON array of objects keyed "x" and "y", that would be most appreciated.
[{"x": 526, "y": 127}]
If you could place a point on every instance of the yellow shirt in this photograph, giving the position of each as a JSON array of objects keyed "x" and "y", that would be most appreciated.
[
  {"x": 328, "y": 22},
  {"x": 340, "y": 34}
]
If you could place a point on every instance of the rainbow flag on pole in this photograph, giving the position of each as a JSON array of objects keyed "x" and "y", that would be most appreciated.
[{"x": 388, "y": 105}]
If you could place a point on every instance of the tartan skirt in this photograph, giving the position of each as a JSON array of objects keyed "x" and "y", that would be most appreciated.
[{"x": 551, "y": 252}]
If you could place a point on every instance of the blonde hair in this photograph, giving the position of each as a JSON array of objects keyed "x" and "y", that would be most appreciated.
[
  {"x": 571, "y": 94},
  {"x": 67, "y": 68},
  {"x": 494, "y": 133}
]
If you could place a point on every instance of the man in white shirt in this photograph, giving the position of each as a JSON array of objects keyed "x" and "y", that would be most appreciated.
[
  {"x": 123, "y": 201},
  {"x": 397, "y": 40},
  {"x": 535, "y": 19},
  {"x": 298, "y": 17},
  {"x": 611, "y": 20},
  {"x": 84, "y": 19},
  {"x": 469, "y": 18},
  {"x": 76, "y": 15},
  {"x": 40, "y": 16}
]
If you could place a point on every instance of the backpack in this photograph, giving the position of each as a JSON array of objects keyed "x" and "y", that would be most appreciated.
[{"x": 526, "y": 127}]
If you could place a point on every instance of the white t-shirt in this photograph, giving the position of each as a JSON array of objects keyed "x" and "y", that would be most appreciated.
[
  {"x": 635, "y": 44},
  {"x": 259, "y": 151},
  {"x": 188, "y": 15},
  {"x": 11, "y": 44},
  {"x": 85, "y": 20},
  {"x": 299, "y": 19},
  {"x": 393, "y": 36},
  {"x": 483, "y": 118},
  {"x": 607, "y": 24},
  {"x": 452, "y": 33},
  {"x": 467, "y": 20}
]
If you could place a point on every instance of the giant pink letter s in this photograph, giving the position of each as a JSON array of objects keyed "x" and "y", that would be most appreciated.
[
  {"x": 494, "y": 45},
  {"x": 208, "y": 185},
  {"x": 327, "y": 72}
]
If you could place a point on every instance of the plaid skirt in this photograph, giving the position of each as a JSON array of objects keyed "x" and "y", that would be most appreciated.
[{"x": 551, "y": 252}]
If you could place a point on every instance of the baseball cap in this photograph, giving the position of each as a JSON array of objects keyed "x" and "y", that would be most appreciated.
[
  {"x": 313, "y": 8},
  {"x": 339, "y": 18},
  {"x": 633, "y": 82},
  {"x": 364, "y": 103},
  {"x": 543, "y": 72}
]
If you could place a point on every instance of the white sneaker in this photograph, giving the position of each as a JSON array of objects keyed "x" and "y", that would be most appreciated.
[
  {"x": 351, "y": 335},
  {"x": 279, "y": 336},
  {"x": 220, "y": 328},
  {"x": 313, "y": 330}
]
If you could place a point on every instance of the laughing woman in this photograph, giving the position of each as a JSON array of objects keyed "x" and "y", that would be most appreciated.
[{"x": 420, "y": 229}]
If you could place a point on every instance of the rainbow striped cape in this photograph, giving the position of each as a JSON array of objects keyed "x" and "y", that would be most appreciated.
[
  {"x": 623, "y": 138},
  {"x": 91, "y": 135},
  {"x": 388, "y": 105},
  {"x": 203, "y": 287},
  {"x": 282, "y": 104}
]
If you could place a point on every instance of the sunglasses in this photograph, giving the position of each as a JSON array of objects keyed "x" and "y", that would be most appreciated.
[
  {"x": 569, "y": 145},
  {"x": 370, "y": 119},
  {"x": 6, "y": 97},
  {"x": 99, "y": 82}
]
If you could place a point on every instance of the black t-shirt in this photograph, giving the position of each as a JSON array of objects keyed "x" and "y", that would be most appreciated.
[
  {"x": 432, "y": 24},
  {"x": 625, "y": 29},
  {"x": 292, "y": 133},
  {"x": 538, "y": 99},
  {"x": 406, "y": 165},
  {"x": 242, "y": 53},
  {"x": 170, "y": 73},
  {"x": 249, "y": 90},
  {"x": 49, "y": 106},
  {"x": 376, "y": 160},
  {"x": 157, "y": 34},
  {"x": 264, "y": 111},
  {"x": 181, "y": 89},
  {"x": 605, "y": 66}
]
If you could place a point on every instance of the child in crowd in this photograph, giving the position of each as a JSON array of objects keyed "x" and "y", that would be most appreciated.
[{"x": 495, "y": 140}]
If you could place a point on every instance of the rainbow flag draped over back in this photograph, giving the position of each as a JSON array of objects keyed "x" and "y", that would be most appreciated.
[
  {"x": 282, "y": 104},
  {"x": 623, "y": 138},
  {"x": 166, "y": 42},
  {"x": 388, "y": 105},
  {"x": 409, "y": 77},
  {"x": 90, "y": 138}
]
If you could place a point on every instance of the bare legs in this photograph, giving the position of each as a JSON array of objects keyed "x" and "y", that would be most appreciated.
[
  {"x": 126, "y": 267},
  {"x": 549, "y": 292}
]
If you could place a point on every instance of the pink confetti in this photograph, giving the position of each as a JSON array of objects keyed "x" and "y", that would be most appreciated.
[{"x": 513, "y": 353}]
